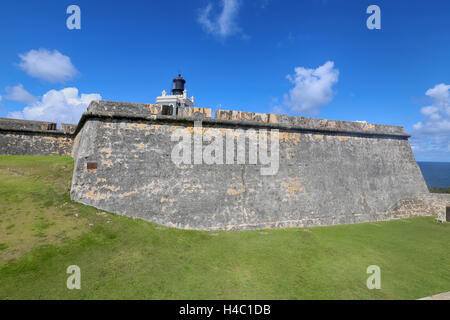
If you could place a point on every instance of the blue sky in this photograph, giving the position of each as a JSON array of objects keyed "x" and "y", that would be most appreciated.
[{"x": 237, "y": 54}]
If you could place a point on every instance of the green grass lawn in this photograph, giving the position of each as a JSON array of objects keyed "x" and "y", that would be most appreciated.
[
  {"x": 440, "y": 190},
  {"x": 42, "y": 233}
]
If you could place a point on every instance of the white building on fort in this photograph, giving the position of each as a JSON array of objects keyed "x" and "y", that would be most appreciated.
[{"x": 178, "y": 98}]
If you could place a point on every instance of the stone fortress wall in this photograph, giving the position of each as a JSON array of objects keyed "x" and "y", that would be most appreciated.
[
  {"x": 330, "y": 172},
  {"x": 25, "y": 137}
]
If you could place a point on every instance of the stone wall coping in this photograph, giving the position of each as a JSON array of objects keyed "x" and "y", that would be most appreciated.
[
  {"x": 233, "y": 123},
  {"x": 47, "y": 132},
  {"x": 436, "y": 196},
  {"x": 23, "y": 130},
  {"x": 140, "y": 111},
  {"x": 22, "y": 121}
]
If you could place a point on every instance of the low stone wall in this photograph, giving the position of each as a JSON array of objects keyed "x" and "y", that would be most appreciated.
[
  {"x": 330, "y": 172},
  {"x": 427, "y": 204},
  {"x": 24, "y": 137}
]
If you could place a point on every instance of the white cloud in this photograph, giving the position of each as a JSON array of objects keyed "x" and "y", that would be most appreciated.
[
  {"x": 433, "y": 132},
  {"x": 224, "y": 24},
  {"x": 51, "y": 66},
  {"x": 18, "y": 93},
  {"x": 313, "y": 88},
  {"x": 63, "y": 106},
  {"x": 437, "y": 115}
]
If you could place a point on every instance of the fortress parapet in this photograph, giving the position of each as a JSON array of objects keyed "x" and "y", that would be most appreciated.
[{"x": 140, "y": 111}]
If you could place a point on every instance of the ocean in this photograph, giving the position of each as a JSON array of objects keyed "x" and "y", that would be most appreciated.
[{"x": 436, "y": 174}]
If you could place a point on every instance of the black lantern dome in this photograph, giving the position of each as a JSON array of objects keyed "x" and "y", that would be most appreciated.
[{"x": 178, "y": 85}]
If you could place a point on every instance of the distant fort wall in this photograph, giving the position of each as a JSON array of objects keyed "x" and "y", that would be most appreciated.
[
  {"x": 25, "y": 137},
  {"x": 330, "y": 172}
]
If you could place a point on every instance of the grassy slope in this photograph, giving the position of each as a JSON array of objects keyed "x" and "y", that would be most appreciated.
[
  {"x": 42, "y": 232},
  {"x": 440, "y": 190}
]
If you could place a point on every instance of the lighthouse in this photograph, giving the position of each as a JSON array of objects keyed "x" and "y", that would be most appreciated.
[{"x": 178, "y": 98}]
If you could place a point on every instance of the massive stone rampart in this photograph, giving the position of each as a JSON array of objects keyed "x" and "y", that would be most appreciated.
[
  {"x": 25, "y": 137},
  {"x": 330, "y": 172}
]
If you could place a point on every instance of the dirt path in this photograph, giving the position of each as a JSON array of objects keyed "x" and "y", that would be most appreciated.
[{"x": 442, "y": 296}]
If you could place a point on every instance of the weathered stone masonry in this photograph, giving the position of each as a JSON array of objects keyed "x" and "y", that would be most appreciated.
[
  {"x": 24, "y": 137},
  {"x": 331, "y": 172}
]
